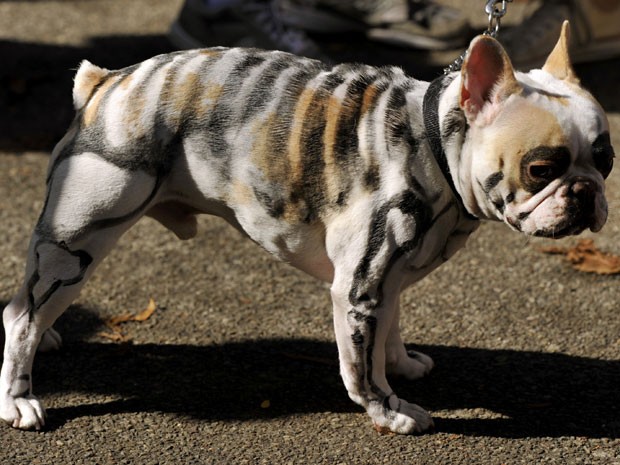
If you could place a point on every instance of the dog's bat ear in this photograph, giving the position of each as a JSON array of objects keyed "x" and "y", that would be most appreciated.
[
  {"x": 487, "y": 76},
  {"x": 558, "y": 62}
]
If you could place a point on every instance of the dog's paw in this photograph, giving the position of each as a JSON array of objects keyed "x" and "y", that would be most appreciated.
[
  {"x": 399, "y": 416},
  {"x": 22, "y": 412},
  {"x": 50, "y": 341},
  {"x": 412, "y": 366}
]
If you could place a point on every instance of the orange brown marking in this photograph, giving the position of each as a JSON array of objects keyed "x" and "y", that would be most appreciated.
[
  {"x": 268, "y": 151},
  {"x": 126, "y": 82},
  {"x": 294, "y": 146},
  {"x": 332, "y": 171},
  {"x": 207, "y": 99},
  {"x": 90, "y": 112},
  {"x": 263, "y": 150},
  {"x": 371, "y": 168},
  {"x": 133, "y": 114},
  {"x": 370, "y": 95},
  {"x": 241, "y": 193},
  {"x": 179, "y": 94}
]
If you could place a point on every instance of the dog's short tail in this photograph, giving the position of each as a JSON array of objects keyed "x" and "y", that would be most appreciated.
[{"x": 87, "y": 78}]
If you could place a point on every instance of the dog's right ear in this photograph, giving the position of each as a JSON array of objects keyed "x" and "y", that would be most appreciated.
[{"x": 487, "y": 77}]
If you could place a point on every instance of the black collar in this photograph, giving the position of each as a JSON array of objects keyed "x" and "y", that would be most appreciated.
[{"x": 430, "y": 111}]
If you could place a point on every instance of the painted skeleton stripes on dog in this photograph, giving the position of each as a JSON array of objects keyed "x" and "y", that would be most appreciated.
[
  {"x": 283, "y": 132},
  {"x": 347, "y": 122},
  {"x": 294, "y": 121},
  {"x": 360, "y": 176}
]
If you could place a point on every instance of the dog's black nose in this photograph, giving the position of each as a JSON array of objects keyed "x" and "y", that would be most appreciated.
[{"x": 584, "y": 191}]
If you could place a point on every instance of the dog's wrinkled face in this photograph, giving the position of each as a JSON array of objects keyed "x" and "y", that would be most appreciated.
[
  {"x": 555, "y": 153},
  {"x": 545, "y": 145}
]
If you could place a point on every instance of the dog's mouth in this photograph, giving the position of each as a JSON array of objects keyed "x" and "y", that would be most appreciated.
[
  {"x": 560, "y": 231},
  {"x": 567, "y": 211},
  {"x": 575, "y": 221}
]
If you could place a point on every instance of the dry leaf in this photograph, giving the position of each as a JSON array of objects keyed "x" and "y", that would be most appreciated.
[
  {"x": 587, "y": 258},
  {"x": 147, "y": 312},
  {"x": 116, "y": 337},
  {"x": 383, "y": 430},
  {"x": 117, "y": 320},
  {"x": 553, "y": 250},
  {"x": 114, "y": 323}
]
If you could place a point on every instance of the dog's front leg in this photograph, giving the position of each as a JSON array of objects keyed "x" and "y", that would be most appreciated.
[
  {"x": 400, "y": 361},
  {"x": 17, "y": 404},
  {"x": 362, "y": 329}
]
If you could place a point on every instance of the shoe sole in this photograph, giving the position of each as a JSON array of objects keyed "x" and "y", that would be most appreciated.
[{"x": 403, "y": 39}]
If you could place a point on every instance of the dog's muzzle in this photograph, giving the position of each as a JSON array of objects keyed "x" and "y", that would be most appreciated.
[{"x": 582, "y": 210}]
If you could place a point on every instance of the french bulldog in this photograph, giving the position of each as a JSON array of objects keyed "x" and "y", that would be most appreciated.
[{"x": 363, "y": 177}]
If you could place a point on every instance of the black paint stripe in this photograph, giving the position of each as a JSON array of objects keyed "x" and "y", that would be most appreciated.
[
  {"x": 492, "y": 181},
  {"x": 409, "y": 203},
  {"x": 454, "y": 122},
  {"x": 276, "y": 158},
  {"x": 311, "y": 186},
  {"x": 85, "y": 259},
  {"x": 264, "y": 83}
]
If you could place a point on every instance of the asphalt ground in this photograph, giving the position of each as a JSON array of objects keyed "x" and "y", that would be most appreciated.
[{"x": 238, "y": 363}]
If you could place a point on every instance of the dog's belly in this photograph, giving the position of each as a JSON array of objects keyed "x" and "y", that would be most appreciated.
[{"x": 299, "y": 244}]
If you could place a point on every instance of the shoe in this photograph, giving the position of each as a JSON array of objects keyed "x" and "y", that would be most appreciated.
[
  {"x": 594, "y": 33},
  {"x": 235, "y": 23},
  {"x": 410, "y": 23}
]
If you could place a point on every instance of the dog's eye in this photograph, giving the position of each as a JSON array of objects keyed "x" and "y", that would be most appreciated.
[
  {"x": 603, "y": 154},
  {"x": 542, "y": 165},
  {"x": 545, "y": 170}
]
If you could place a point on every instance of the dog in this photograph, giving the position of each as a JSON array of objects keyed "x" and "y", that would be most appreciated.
[{"x": 362, "y": 177}]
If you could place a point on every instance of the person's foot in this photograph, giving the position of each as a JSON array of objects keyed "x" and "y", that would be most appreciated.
[
  {"x": 235, "y": 23},
  {"x": 411, "y": 23},
  {"x": 595, "y": 34}
]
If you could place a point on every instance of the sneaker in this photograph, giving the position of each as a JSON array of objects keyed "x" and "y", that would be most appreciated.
[
  {"x": 411, "y": 23},
  {"x": 235, "y": 23},
  {"x": 594, "y": 33}
]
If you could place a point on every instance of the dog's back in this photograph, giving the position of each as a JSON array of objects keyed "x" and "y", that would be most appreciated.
[{"x": 287, "y": 131}]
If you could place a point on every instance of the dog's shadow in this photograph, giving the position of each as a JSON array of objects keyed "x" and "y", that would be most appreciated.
[{"x": 502, "y": 393}]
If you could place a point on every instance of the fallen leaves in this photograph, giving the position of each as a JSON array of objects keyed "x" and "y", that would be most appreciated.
[
  {"x": 114, "y": 323},
  {"x": 586, "y": 257},
  {"x": 383, "y": 430}
]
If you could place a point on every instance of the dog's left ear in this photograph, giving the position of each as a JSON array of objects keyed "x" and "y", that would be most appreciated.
[
  {"x": 487, "y": 76},
  {"x": 558, "y": 62}
]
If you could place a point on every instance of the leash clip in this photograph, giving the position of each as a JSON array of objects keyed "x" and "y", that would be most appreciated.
[
  {"x": 495, "y": 15},
  {"x": 495, "y": 20}
]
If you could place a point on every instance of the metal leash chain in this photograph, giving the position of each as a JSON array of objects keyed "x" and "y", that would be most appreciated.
[{"x": 495, "y": 20}]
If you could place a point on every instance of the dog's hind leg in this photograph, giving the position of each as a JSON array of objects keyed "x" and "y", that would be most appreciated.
[{"x": 90, "y": 204}]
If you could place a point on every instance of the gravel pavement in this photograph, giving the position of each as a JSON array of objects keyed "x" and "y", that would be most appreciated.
[{"x": 238, "y": 363}]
